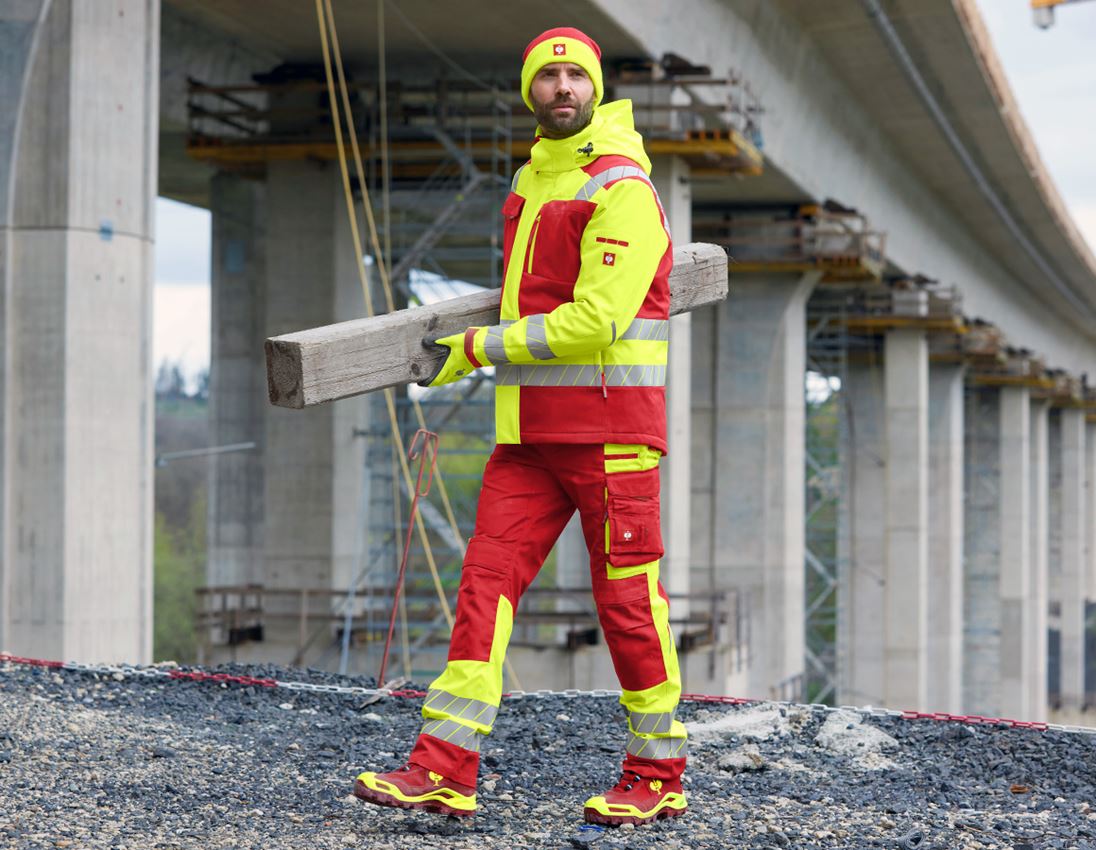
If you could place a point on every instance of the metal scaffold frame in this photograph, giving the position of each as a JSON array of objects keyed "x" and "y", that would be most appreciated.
[{"x": 826, "y": 424}]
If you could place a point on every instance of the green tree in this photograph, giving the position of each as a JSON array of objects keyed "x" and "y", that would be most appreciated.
[{"x": 179, "y": 564}]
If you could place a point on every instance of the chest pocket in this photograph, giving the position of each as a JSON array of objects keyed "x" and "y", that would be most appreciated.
[{"x": 554, "y": 250}]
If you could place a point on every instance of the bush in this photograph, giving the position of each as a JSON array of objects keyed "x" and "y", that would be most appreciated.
[{"x": 179, "y": 568}]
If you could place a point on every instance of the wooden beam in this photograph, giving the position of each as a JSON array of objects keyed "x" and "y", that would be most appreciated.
[{"x": 323, "y": 364}]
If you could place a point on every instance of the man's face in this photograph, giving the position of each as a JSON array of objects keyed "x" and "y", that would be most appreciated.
[{"x": 563, "y": 99}]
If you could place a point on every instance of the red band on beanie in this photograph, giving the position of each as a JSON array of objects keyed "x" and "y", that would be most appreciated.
[{"x": 563, "y": 32}]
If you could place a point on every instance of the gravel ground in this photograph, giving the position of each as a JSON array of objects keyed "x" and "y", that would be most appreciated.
[{"x": 90, "y": 761}]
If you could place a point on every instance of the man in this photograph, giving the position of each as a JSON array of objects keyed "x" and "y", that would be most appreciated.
[{"x": 580, "y": 358}]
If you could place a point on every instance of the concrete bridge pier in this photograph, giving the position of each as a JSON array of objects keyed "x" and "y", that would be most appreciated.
[
  {"x": 237, "y": 386},
  {"x": 1040, "y": 517},
  {"x": 982, "y": 548},
  {"x": 945, "y": 607},
  {"x": 79, "y": 88},
  {"x": 749, "y": 358},
  {"x": 883, "y": 649},
  {"x": 1015, "y": 649},
  {"x": 905, "y": 636},
  {"x": 287, "y": 515},
  {"x": 1071, "y": 567},
  {"x": 860, "y": 621},
  {"x": 1003, "y": 517},
  {"x": 1090, "y": 506}
]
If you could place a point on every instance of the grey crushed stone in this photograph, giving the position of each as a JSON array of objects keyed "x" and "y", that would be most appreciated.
[{"x": 92, "y": 762}]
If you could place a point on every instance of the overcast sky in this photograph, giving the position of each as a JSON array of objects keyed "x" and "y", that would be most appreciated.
[{"x": 1052, "y": 72}]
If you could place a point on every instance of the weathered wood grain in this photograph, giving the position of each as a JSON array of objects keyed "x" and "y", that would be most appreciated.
[{"x": 336, "y": 361}]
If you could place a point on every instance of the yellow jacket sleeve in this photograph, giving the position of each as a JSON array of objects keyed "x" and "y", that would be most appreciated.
[{"x": 621, "y": 248}]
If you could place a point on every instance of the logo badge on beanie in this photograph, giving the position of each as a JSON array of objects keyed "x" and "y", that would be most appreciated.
[{"x": 559, "y": 49}]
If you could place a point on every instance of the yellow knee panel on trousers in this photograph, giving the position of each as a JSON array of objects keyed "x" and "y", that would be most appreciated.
[{"x": 474, "y": 680}]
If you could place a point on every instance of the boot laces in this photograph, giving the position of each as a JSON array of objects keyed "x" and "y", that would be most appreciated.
[{"x": 626, "y": 783}]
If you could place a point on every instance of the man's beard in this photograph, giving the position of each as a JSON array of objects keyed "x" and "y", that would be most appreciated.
[{"x": 561, "y": 127}]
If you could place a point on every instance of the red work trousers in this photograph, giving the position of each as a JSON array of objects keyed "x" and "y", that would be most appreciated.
[{"x": 529, "y": 494}]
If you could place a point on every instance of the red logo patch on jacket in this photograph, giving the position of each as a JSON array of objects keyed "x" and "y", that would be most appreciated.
[
  {"x": 608, "y": 259},
  {"x": 559, "y": 49}
]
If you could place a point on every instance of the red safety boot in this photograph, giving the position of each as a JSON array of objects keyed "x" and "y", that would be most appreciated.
[
  {"x": 415, "y": 787},
  {"x": 637, "y": 800}
]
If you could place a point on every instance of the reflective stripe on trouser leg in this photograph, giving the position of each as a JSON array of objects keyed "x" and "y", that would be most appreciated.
[{"x": 461, "y": 706}]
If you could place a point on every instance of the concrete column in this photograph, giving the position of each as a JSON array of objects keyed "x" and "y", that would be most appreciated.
[
  {"x": 749, "y": 358},
  {"x": 671, "y": 179},
  {"x": 237, "y": 385},
  {"x": 862, "y": 541},
  {"x": 982, "y": 547},
  {"x": 312, "y": 489},
  {"x": 1090, "y": 507},
  {"x": 1037, "y": 626},
  {"x": 907, "y": 515},
  {"x": 999, "y": 654},
  {"x": 1072, "y": 567},
  {"x": 945, "y": 629},
  {"x": 1015, "y": 651},
  {"x": 78, "y": 131}
]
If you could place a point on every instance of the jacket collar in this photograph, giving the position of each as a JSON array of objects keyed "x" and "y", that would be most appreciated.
[{"x": 570, "y": 153}]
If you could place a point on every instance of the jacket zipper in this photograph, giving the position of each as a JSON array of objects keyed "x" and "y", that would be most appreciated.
[{"x": 533, "y": 243}]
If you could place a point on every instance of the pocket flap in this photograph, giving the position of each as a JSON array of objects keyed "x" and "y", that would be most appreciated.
[
  {"x": 511, "y": 207},
  {"x": 642, "y": 485}
]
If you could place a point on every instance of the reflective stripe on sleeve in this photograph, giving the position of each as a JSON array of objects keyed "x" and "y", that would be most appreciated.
[
  {"x": 453, "y": 732},
  {"x": 493, "y": 346},
  {"x": 656, "y": 748},
  {"x": 472, "y": 710},
  {"x": 536, "y": 338},
  {"x": 616, "y": 375},
  {"x": 618, "y": 172},
  {"x": 651, "y": 724},
  {"x": 517, "y": 176},
  {"x": 656, "y": 330}
]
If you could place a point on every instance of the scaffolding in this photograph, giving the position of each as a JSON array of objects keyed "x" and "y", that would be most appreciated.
[
  {"x": 828, "y": 238},
  {"x": 826, "y": 421}
]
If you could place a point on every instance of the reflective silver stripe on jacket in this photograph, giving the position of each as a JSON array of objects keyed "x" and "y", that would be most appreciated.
[
  {"x": 462, "y": 707},
  {"x": 650, "y": 724},
  {"x": 517, "y": 176},
  {"x": 656, "y": 748},
  {"x": 616, "y": 375},
  {"x": 617, "y": 172},
  {"x": 536, "y": 338},
  {"x": 657, "y": 330},
  {"x": 453, "y": 732},
  {"x": 493, "y": 346}
]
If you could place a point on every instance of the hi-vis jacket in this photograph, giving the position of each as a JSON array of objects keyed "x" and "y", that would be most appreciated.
[{"x": 581, "y": 346}]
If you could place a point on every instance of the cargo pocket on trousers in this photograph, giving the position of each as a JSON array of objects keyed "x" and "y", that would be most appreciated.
[
  {"x": 635, "y": 533},
  {"x": 484, "y": 578}
]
